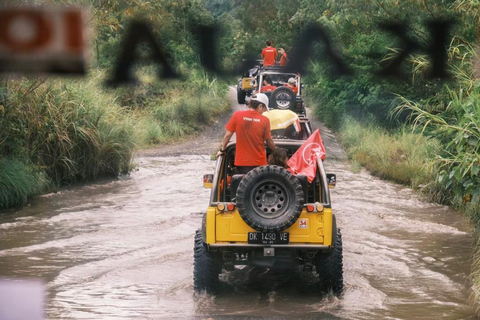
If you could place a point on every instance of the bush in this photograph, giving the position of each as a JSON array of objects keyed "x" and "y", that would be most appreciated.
[
  {"x": 402, "y": 156},
  {"x": 72, "y": 129},
  {"x": 184, "y": 107},
  {"x": 458, "y": 127},
  {"x": 19, "y": 182}
]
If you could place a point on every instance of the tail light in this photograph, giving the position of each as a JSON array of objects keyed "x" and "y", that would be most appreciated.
[
  {"x": 225, "y": 207},
  {"x": 298, "y": 105},
  {"x": 314, "y": 207}
]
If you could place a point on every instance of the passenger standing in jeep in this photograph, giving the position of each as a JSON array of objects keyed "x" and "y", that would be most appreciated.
[
  {"x": 283, "y": 57},
  {"x": 252, "y": 130},
  {"x": 269, "y": 54}
]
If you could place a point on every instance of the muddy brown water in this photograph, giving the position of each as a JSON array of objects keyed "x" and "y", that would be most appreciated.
[{"x": 123, "y": 249}]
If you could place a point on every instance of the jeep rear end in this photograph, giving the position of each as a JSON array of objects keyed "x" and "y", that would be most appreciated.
[{"x": 271, "y": 218}]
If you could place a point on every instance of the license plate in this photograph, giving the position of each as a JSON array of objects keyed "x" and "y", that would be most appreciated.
[{"x": 268, "y": 237}]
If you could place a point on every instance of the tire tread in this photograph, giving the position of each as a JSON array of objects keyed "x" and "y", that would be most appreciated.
[
  {"x": 205, "y": 268},
  {"x": 330, "y": 268}
]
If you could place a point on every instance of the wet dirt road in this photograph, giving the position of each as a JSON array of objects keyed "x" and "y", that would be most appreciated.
[{"x": 123, "y": 249}]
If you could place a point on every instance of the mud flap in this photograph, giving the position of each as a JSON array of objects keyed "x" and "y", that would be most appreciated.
[
  {"x": 334, "y": 230},
  {"x": 204, "y": 228}
]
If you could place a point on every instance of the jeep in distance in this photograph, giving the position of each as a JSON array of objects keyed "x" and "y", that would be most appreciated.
[{"x": 282, "y": 97}]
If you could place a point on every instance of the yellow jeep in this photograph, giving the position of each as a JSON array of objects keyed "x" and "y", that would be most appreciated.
[{"x": 269, "y": 218}]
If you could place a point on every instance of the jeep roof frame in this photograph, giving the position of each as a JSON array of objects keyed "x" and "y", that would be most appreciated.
[{"x": 281, "y": 143}]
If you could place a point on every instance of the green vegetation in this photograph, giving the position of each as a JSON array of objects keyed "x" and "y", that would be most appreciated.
[
  {"x": 401, "y": 156},
  {"x": 18, "y": 182},
  {"x": 173, "y": 110},
  {"x": 420, "y": 125},
  {"x": 458, "y": 127},
  {"x": 61, "y": 131},
  {"x": 74, "y": 130},
  {"x": 70, "y": 129}
]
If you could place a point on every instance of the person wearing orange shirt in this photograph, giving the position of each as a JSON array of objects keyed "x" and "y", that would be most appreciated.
[
  {"x": 267, "y": 85},
  {"x": 283, "y": 57},
  {"x": 253, "y": 131},
  {"x": 269, "y": 54},
  {"x": 292, "y": 84}
]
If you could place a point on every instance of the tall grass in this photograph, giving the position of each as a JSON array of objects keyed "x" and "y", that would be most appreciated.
[
  {"x": 184, "y": 108},
  {"x": 458, "y": 126},
  {"x": 74, "y": 130},
  {"x": 71, "y": 129},
  {"x": 402, "y": 156},
  {"x": 19, "y": 181}
]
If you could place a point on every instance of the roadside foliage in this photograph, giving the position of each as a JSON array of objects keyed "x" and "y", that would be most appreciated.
[
  {"x": 58, "y": 131},
  {"x": 67, "y": 130},
  {"x": 444, "y": 114}
]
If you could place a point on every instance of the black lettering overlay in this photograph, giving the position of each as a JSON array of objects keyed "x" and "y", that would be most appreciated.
[
  {"x": 137, "y": 33},
  {"x": 436, "y": 50},
  {"x": 303, "y": 51}
]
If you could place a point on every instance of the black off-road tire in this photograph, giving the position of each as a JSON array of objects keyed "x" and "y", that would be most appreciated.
[
  {"x": 282, "y": 98},
  {"x": 330, "y": 268},
  {"x": 270, "y": 198},
  {"x": 240, "y": 95},
  {"x": 205, "y": 268}
]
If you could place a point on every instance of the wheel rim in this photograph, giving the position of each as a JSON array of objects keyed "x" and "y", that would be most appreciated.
[
  {"x": 270, "y": 199},
  {"x": 283, "y": 100}
]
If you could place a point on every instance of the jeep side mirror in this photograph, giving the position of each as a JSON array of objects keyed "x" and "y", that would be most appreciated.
[
  {"x": 207, "y": 181},
  {"x": 302, "y": 85},
  {"x": 332, "y": 180}
]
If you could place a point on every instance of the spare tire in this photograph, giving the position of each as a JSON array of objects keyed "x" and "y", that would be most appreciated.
[
  {"x": 270, "y": 198},
  {"x": 282, "y": 98}
]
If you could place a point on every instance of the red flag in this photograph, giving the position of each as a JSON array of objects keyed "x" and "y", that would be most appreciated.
[{"x": 304, "y": 161}]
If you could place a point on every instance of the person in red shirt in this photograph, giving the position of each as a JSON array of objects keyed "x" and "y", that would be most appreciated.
[
  {"x": 292, "y": 84},
  {"x": 269, "y": 54},
  {"x": 252, "y": 130},
  {"x": 267, "y": 85},
  {"x": 283, "y": 57}
]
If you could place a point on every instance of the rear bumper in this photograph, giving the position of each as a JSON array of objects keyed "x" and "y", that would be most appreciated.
[{"x": 283, "y": 246}]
